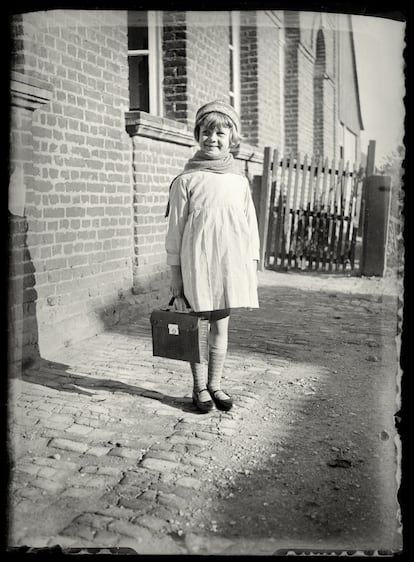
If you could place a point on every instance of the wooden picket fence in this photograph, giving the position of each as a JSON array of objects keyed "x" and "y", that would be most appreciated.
[{"x": 309, "y": 213}]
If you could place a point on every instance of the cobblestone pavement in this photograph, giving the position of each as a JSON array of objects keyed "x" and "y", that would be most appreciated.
[{"x": 107, "y": 449}]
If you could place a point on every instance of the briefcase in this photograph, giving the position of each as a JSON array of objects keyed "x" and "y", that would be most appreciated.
[{"x": 179, "y": 335}]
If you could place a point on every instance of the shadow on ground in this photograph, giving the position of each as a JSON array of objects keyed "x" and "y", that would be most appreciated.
[{"x": 56, "y": 376}]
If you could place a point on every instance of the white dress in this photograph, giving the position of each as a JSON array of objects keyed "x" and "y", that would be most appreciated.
[{"x": 213, "y": 234}]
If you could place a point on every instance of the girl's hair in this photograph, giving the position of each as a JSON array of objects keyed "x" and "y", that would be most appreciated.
[{"x": 217, "y": 119}]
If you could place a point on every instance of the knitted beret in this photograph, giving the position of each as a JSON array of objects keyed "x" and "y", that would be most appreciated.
[{"x": 221, "y": 107}]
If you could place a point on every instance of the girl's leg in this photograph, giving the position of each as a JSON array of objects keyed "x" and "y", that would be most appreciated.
[
  {"x": 217, "y": 355},
  {"x": 198, "y": 371},
  {"x": 201, "y": 396}
]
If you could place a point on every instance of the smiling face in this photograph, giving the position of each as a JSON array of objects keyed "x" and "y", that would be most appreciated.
[
  {"x": 216, "y": 135},
  {"x": 214, "y": 141}
]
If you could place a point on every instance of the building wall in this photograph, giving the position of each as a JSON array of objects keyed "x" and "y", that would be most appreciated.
[
  {"x": 269, "y": 79},
  {"x": 207, "y": 59},
  {"x": 348, "y": 93},
  {"x": 329, "y": 130},
  {"x": 249, "y": 77},
  {"x": 174, "y": 54},
  {"x": 331, "y": 86},
  {"x": 78, "y": 206},
  {"x": 292, "y": 37},
  {"x": 22, "y": 296},
  {"x": 301, "y": 34},
  {"x": 21, "y": 304},
  {"x": 306, "y": 63}
]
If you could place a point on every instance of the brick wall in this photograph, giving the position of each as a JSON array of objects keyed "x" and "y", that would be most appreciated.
[
  {"x": 318, "y": 117},
  {"x": 310, "y": 126},
  {"x": 331, "y": 38},
  {"x": 324, "y": 101},
  {"x": 174, "y": 47},
  {"x": 156, "y": 163},
  {"x": 292, "y": 36},
  {"x": 330, "y": 91},
  {"x": 318, "y": 96},
  {"x": 305, "y": 101},
  {"x": 207, "y": 59},
  {"x": 78, "y": 207},
  {"x": 195, "y": 60},
  {"x": 270, "y": 82},
  {"x": 22, "y": 322},
  {"x": 27, "y": 95},
  {"x": 329, "y": 134},
  {"x": 249, "y": 77}
]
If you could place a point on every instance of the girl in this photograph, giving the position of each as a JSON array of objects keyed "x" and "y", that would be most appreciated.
[{"x": 212, "y": 242}]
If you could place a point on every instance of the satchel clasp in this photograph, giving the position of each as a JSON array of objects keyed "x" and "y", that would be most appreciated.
[{"x": 173, "y": 329}]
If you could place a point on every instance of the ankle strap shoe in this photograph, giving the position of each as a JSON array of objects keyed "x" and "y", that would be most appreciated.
[
  {"x": 221, "y": 403},
  {"x": 202, "y": 406}
]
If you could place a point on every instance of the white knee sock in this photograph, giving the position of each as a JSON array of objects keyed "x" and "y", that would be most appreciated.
[
  {"x": 216, "y": 361},
  {"x": 199, "y": 376}
]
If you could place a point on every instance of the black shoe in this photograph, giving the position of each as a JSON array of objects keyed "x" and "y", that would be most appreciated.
[
  {"x": 225, "y": 404},
  {"x": 202, "y": 406}
]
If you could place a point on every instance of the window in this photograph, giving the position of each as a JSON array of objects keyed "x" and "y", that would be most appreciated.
[
  {"x": 145, "y": 61},
  {"x": 234, "y": 56}
]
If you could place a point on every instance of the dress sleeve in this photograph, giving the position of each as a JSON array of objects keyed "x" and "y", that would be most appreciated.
[
  {"x": 250, "y": 211},
  {"x": 178, "y": 215}
]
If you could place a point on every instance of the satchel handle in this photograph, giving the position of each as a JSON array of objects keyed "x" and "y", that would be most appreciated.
[{"x": 187, "y": 304}]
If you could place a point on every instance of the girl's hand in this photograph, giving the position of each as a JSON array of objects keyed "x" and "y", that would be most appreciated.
[
  {"x": 176, "y": 288},
  {"x": 179, "y": 304},
  {"x": 176, "y": 283}
]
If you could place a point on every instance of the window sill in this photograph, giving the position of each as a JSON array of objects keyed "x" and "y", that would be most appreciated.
[
  {"x": 29, "y": 92},
  {"x": 249, "y": 153},
  {"x": 140, "y": 123}
]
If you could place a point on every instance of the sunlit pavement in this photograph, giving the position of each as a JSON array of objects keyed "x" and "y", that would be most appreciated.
[{"x": 109, "y": 452}]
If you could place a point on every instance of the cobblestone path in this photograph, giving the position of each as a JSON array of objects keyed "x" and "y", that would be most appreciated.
[{"x": 108, "y": 451}]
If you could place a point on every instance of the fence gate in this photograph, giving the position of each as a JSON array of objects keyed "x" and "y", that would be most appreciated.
[{"x": 309, "y": 213}]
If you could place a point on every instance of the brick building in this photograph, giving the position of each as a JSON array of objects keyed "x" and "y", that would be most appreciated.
[{"x": 102, "y": 110}]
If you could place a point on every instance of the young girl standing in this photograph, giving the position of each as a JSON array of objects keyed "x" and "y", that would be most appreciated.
[{"x": 212, "y": 242}]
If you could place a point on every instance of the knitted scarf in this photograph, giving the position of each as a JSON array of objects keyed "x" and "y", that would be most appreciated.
[{"x": 201, "y": 162}]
